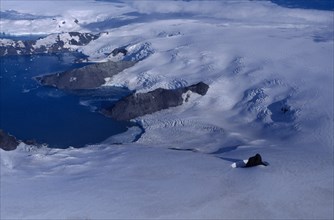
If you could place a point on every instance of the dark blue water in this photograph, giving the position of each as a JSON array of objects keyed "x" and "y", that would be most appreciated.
[
  {"x": 21, "y": 37},
  {"x": 48, "y": 115},
  {"x": 305, "y": 4},
  {"x": 327, "y": 5}
]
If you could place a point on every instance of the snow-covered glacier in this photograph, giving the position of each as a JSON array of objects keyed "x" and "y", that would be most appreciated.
[{"x": 270, "y": 75}]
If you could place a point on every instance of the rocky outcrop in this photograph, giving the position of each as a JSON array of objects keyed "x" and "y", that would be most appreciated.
[
  {"x": 117, "y": 51},
  {"x": 7, "y": 142},
  {"x": 54, "y": 43},
  {"x": 87, "y": 77},
  {"x": 255, "y": 161},
  {"x": 140, "y": 104}
]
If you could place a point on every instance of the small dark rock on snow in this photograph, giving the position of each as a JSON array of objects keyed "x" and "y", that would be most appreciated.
[
  {"x": 255, "y": 161},
  {"x": 119, "y": 50}
]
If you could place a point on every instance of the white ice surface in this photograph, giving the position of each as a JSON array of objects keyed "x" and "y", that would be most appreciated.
[{"x": 254, "y": 55}]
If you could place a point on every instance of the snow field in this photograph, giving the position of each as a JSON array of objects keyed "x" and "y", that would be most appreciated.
[{"x": 258, "y": 59}]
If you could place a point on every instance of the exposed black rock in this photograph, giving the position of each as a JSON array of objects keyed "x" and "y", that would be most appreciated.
[
  {"x": 140, "y": 104},
  {"x": 84, "y": 38},
  {"x": 55, "y": 44},
  {"x": 87, "y": 77},
  {"x": 7, "y": 141},
  {"x": 119, "y": 50},
  {"x": 200, "y": 88},
  {"x": 255, "y": 161}
]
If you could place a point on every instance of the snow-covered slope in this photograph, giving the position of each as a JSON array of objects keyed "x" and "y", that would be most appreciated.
[
  {"x": 270, "y": 72},
  {"x": 53, "y": 43},
  {"x": 46, "y": 17}
]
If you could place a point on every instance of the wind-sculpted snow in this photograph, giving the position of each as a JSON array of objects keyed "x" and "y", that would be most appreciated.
[{"x": 270, "y": 73}]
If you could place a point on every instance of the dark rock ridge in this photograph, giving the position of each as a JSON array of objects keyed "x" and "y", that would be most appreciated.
[
  {"x": 7, "y": 142},
  {"x": 54, "y": 43},
  {"x": 131, "y": 52},
  {"x": 119, "y": 50},
  {"x": 87, "y": 77},
  {"x": 140, "y": 104}
]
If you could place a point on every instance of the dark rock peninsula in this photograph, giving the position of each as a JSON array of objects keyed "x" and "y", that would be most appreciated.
[
  {"x": 7, "y": 142},
  {"x": 87, "y": 77},
  {"x": 140, "y": 104},
  {"x": 54, "y": 43}
]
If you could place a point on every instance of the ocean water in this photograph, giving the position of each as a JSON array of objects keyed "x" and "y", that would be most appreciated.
[
  {"x": 327, "y": 5},
  {"x": 47, "y": 115},
  {"x": 21, "y": 37}
]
